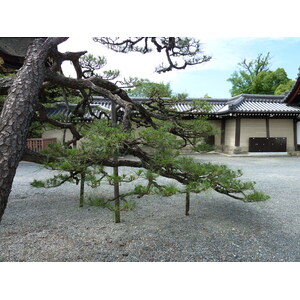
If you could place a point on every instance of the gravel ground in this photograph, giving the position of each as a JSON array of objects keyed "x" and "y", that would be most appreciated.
[{"x": 48, "y": 225}]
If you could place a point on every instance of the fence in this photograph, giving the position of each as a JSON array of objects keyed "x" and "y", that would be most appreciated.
[
  {"x": 39, "y": 144},
  {"x": 267, "y": 144}
]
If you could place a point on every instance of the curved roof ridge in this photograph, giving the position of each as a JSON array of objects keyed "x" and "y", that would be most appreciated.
[
  {"x": 264, "y": 98},
  {"x": 236, "y": 101},
  {"x": 262, "y": 95}
]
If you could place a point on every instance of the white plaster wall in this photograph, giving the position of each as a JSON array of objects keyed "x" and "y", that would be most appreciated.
[
  {"x": 229, "y": 135},
  {"x": 298, "y": 133},
  {"x": 58, "y": 134},
  {"x": 251, "y": 128},
  {"x": 217, "y": 126},
  {"x": 283, "y": 128}
]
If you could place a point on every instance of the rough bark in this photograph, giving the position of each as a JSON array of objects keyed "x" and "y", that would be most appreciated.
[
  {"x": 18, "y": 110},
  {"x": 6, "y": 82}
]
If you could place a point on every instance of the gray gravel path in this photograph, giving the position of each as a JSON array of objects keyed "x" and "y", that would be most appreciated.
[{"x": 48, "y": 225}]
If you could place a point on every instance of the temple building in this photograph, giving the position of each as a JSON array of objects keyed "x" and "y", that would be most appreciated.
[{"x": 246, "y": 123}]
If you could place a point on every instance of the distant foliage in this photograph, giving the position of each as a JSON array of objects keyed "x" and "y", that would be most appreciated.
[
  {"x": 206, "y": 96},
  {"x": 145, "y": 88},
  {"x": 254, "y": 77}
]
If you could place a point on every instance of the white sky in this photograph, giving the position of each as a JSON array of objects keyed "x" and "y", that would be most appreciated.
[
  {"x": 211, "y": 21},
  {"x": 208, "y": 78}
]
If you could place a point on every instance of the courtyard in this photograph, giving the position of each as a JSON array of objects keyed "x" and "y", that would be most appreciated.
[{"x": 48, "y": 225}]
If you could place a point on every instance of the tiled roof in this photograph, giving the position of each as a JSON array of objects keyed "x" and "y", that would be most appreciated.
[
  {"x": 216, "y": 104},
  {"x": 259, "y": 104},
  {"x": 62, "y": 110},
  {"x": 245, "y": 104}
]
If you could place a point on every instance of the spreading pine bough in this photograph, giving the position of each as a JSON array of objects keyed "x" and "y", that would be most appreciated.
[{"x": 158, "y": 149}]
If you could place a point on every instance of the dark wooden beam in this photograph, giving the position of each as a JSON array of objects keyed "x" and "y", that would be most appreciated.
[
  {"x": 268, "y": 128},
  {"x": 223, "y": 127},
  {"x": 295, "y": 135},
  {"x": 237, "y": 132}
]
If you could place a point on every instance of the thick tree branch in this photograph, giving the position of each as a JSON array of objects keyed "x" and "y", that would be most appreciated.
[
  {"x": 5, "y": 84},
  {"x": 187, "y": 49},
  {"x": 18, "y": 111},
  {"x": 44, "y": 118},
  {"x": 39, "y": 158}
]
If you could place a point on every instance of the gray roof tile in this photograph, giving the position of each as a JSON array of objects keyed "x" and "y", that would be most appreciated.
[{"x": 242, "y": 104}]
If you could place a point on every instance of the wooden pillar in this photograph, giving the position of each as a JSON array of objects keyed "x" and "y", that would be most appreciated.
[
  {"x": 237, "y": 132},
  {"x": 267, "y": 128},
  {"x": 295, "y": 135},
  {"x": 223, "y": 127},
  {"x": 115, "y": 168}
]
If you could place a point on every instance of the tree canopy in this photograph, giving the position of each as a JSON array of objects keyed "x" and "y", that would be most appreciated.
[
  {"x": 179, "y": 52},
  {"x": 145, "y": 88},
  {"x": 255, "y": 77}
]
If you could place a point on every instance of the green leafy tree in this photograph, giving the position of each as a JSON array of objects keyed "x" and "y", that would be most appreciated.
[
  {"x": 148, "y": 89},
  {"x": 206, "y": 96},
  {"x": 282, "y": 88},
  {"x": 254, "y": 77}
]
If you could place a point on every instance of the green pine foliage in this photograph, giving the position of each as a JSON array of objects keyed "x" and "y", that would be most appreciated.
[
  {"x": 161, "y": 150},
  {"x": 153, "y": 132}
]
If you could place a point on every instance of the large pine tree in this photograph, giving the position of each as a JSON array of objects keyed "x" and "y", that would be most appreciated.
[{"x": 165, "y": 132}]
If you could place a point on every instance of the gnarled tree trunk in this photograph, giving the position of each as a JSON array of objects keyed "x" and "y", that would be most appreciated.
[{"x": 18, "y": 110}]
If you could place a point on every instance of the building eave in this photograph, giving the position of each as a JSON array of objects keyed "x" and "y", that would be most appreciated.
[{"x": 293, "y": 96}]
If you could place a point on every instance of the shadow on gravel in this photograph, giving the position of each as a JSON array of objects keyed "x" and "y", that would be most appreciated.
[{"x": 241, "y": 215}]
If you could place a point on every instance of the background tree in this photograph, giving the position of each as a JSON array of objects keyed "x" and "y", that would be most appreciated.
[
  {"x": 145, "y": 88},
  {"x": 254, "y": 77},
  {"x": 282, "y": 88},
  {"x": 206, "y": 96}
]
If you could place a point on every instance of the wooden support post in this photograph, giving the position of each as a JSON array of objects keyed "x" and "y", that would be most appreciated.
[
  {"x": 237, "y": 132},
  {"x": 268, "y": 128},
  {"x": 115, "y": 169},
  {"x": 295, "y": 135},
  {"x": 82, "y": 180},
  {"x": 223, "y": 128},
  {"x": 187, "y": 203},
  {"x": 117, "y": 196}
]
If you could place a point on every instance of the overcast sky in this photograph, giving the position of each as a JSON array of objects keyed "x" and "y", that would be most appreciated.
[
  {"x": 208, "y": 78},
  {"x": 229, "y": 30}
]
